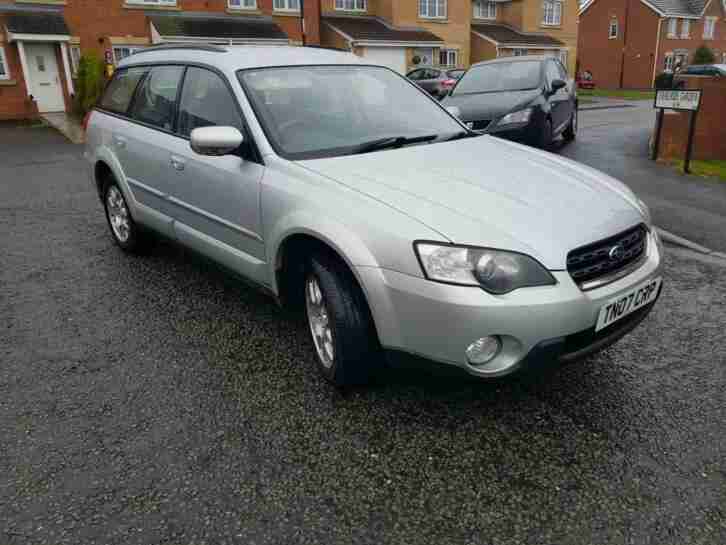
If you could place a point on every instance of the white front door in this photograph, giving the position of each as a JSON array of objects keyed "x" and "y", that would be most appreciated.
[
  {"x": 392, "y": 57},
  {"x": 45, "y": 81}
]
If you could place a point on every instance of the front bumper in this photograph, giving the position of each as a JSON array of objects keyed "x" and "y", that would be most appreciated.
[{"x": 439, "y": 321}]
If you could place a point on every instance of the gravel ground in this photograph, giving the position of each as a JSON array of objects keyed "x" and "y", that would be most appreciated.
[{"x": 154, "y": 400}]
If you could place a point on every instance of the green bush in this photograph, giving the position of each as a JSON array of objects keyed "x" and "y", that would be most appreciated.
[
  {"x": 664, "y": 80},
  {"x": 90, "y": 83},
  {"x": 704, "y": 55}
]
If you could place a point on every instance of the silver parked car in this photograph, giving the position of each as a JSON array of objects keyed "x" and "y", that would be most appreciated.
[{"x": 344, "y": 189}]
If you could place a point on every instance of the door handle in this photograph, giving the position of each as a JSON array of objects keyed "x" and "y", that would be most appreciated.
[
  {"x": 177, "y": 162},
  {"x": 119, "y": 142}
]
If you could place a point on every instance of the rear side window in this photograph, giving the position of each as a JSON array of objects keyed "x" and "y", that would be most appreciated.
[
  {"x": 206, "y": 101},
  {"x": 120, "y": 90},
  {"x": 155, "y": 101}
]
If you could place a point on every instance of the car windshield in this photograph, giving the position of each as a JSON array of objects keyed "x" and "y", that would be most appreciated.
[
  {"x": 324, "y": 111},
  {"x": 499, "y": 77}
]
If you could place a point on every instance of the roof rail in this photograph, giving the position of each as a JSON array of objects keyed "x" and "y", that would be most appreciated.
[{"x": 197, "y": 47}]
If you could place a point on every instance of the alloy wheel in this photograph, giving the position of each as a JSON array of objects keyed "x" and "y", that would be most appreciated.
[
  {"x": 319, "y": 321},
  {"x": 118, "y": 214}
]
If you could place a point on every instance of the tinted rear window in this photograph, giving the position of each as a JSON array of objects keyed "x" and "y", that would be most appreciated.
[
  {"x": 155, "y": 102},
  {"x": 120, "y": 90}
]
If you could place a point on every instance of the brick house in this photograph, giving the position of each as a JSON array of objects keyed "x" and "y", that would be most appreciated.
[
  {"x": 627, "y": 43},
  {"x": 451, "y": 33},
  {"x": 41, "y": 41},
  {"x": 525, "y": 27}
]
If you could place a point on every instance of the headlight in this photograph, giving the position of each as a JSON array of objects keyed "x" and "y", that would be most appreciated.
[
  {"x": 496, "y": 271},
  {"x": 522, "y": 116}
]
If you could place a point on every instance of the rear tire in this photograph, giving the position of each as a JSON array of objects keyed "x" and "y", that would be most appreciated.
[
  {"x": 341, "y": 326},
  {"x": 570, "y": 132},
  {"x": 124, "y": 230}
]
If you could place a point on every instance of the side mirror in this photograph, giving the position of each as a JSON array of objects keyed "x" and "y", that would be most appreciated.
[
  {"x": 215, "y": 141},
  {"x": 455, "y": 111},
  {"x": 557, "y": 84}
]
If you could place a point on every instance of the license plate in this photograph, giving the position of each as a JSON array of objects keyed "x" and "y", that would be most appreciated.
[{"x": 622, "y": 305}]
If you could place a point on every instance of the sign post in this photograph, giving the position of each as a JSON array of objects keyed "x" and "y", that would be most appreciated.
[{"x": 682, "y": 101}]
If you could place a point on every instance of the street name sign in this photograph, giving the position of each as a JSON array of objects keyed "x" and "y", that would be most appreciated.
[{"x": 672, "y": 99}]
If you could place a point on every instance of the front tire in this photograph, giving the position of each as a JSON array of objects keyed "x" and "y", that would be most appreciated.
[
  {"x": 123, "y": 228},
  {"x": 570, "y": 132},
  {"x": 341, "y": 326},
  {"x": 545, "y": 136}
]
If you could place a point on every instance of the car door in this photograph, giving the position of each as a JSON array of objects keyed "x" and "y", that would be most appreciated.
[
  {"x": 557, "y": 100},
  {"x": 149, "y": 139},
  {"x": 214, "y": 201},
  {"x": 431, "y": 81}
]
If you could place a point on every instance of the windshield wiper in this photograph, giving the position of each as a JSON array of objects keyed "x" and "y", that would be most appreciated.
[
  {"x": 391, "y": 142},
  {"x": 462, "y": 134}
]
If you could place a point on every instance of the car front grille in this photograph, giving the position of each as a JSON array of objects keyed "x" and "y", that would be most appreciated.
[
  {"x": 480, "y": 125},
  {"x": 598, "y": 263}
]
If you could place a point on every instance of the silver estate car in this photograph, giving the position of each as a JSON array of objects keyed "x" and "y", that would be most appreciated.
[{"x": 344, "y": 190}]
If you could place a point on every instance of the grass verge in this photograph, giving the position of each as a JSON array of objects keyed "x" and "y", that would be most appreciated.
[{"x": 709, "y": 169}]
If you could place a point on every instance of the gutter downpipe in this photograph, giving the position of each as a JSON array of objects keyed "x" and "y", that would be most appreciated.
[{"x": 657, "y": 50}]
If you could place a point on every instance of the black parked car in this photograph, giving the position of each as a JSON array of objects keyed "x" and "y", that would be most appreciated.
[
  {"x": 528, "y": 99},
  {"x": 437, "y": 81}
]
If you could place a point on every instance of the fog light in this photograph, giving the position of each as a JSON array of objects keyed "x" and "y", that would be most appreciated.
[{"x": 483, "y": 350}]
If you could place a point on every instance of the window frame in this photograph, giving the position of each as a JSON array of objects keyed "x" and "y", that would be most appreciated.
[
  {"x": 6, "y": 66},
  {"x": 448, "y": 52},
  {"x": 685, "y": 29},
  {"x": 224, "y": 80},
  {"x": 519, "y": 52},
  {"x": 669, "y": 66},
  {"x": 287, "y": 8},
  {"x": 613, "y": 25},
  {"x": 241, "y": 6},
  {"x": 482, "y": 10},
  {"x": 556, "y": 13},
  {"x": 355, "y": 7},
  {"x": 672, "y": 31},
  {"x": 74, "y": 63},
  {"x": 437, "y": 4},
  {"x": 712, "y": 21},
  {"x": 132, "y": 48}
]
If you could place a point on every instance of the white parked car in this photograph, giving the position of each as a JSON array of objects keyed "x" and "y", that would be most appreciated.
[{"x": 345, "y": 189}]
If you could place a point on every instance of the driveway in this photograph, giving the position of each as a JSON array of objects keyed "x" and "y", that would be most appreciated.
[
  {"x": 154, "y": 400},
  {"x": 616, "y": 141}
]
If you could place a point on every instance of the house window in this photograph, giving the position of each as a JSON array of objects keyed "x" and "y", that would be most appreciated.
[
  {"x": 672, "y": 28},
  {"x": 350, "y": 5},
  {"x": 152, "y": 2},
  {"x": 75, "y": 59},
  {"x": 552, "y": 12},
  {"x": 519, "y": 52},
  {"x": 4, "y": 68},
  {"x": 286, "y": 5},
  {"x": 484, "y": 9},
  {"x": 669, "y": 61},
  {"x": 449, "y": 58},
  {"x": 120, "y": 52},
  {"x": 242, "y": 4},
  {"x": 709, "y": 28},
  {"x": 432, "y": 9},
  {"x": 613, "y": 29},
  {"x": 685, "y": 28}
]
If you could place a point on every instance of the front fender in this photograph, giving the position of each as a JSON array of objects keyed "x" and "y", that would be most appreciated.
[{"x": 349, "y": 246}]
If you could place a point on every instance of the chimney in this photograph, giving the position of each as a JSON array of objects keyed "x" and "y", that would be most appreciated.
[{"x": 310, "y": 21}]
